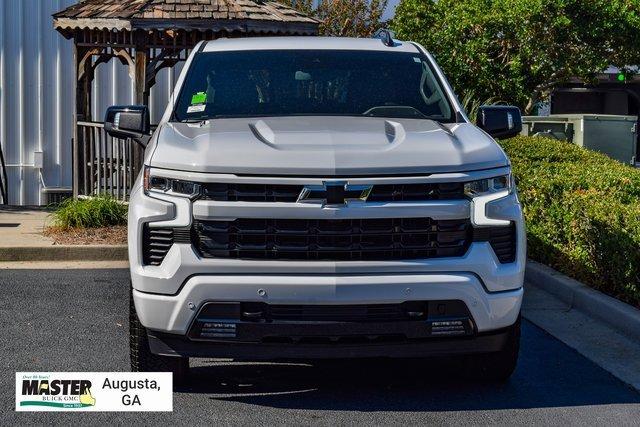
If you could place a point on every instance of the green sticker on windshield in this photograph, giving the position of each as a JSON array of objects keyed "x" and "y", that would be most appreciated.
[{"x": 199, "y": 98}]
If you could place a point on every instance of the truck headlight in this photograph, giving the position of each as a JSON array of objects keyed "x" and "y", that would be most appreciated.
[
  {"x": 485, "y": 191},
  {"x": 161, "y": 184},
  {"x": 482, "y": 187}
]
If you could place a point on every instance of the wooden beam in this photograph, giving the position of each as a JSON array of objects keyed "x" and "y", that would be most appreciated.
[
  {"x": 256, "y": 26},
  {"x": 87, "y": 57},
  {"x": 168, "y": 57},
  {"x": 126, "y": 59},
  {"x": 140, "y": 81},
  {"x": 62, "y": 24}
]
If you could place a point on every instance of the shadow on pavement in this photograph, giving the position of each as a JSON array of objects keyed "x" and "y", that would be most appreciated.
[{"x": 549, "y": 375}]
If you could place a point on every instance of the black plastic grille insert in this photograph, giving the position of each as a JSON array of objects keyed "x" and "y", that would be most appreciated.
[
  {"x": 502, "y": 240},
  {"x": 339, "y": 240},
  {"x": 290, "y": 193},
  {"x": 156, "y": 243},
  {"x": 343, "y": 239}
]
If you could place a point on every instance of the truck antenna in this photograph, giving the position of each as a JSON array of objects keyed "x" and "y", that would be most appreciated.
[{"x": 386, "y": 36}]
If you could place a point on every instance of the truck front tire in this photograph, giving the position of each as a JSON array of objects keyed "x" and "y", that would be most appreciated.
[
  {"x": 499, "y": 366},
  {"x": 142, "y": 360}
]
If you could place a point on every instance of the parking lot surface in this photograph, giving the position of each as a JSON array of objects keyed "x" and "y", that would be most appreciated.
[{"x": 76, "y": 320}]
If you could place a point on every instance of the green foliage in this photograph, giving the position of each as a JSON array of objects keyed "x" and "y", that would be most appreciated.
[
  {"x": 304, "y": 6},
  {"x": 472, "y": 104},
  {"x": 582, "y": 211},
  {"x": 519, "y": 50},
  {"x": 347, "y": 18},
  {"x": 95, "y": 212}
]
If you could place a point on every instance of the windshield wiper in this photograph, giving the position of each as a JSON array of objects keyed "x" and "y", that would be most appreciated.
[
  {"x": 400, "y": 111},
  {"x": 194, "y": 120},
  {"x": 200, "y": 122}
]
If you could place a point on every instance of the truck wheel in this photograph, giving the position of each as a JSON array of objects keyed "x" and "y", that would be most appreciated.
[
  {"x": 497, "y": 367},
  {"x": 142, "y": 360}
]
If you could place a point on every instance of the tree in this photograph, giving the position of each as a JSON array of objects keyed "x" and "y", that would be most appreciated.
[
  {"x": 304, "y": 6},
  {"x": 520, "y": 50},
  {"x": 349, "y": 18}
]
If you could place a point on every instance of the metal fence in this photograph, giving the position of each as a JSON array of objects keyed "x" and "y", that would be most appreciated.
[{"x": 106, "y": 165}]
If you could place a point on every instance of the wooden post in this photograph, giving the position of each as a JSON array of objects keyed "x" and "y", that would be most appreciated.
[
  {"x": 141, "y": 90},
  {"x": 141, "y": 95},
  {"x": 84, "y": 79},
  {"x": 76, "y": 110}
]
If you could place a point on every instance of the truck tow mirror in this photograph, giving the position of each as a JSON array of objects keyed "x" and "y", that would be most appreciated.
[
  {"x": 128, "y": 121},
  {"x": 500, "y": 121}
]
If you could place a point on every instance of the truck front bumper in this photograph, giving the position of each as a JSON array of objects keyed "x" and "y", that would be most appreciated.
[
  {"x": 178, "y": 345},
  {"x": 171, "y": 319}
]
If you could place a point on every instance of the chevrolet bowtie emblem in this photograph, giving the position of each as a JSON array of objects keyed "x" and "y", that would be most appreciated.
[{"x": 334, "y": 193}]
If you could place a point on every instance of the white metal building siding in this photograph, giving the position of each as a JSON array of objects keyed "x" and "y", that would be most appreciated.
[{"x": 37, "y": 97}]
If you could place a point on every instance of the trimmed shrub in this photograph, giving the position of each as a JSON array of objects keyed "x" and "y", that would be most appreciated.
[
  {"x": 103, "y": 211},
  {"x": 582, "y": 211}
]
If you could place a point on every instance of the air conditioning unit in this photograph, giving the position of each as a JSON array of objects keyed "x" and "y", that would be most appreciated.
[
  {"x": 55, "y": 196},
  {"x": 615, "y": 136}
]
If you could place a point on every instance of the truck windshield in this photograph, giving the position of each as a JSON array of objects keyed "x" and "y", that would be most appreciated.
[{"x": 272, "y": 83}]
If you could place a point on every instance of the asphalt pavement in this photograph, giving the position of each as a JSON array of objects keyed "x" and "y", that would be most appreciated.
[{"x": 76, "y": 320}]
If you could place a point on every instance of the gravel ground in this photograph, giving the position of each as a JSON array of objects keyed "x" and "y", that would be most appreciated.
[{"x": 116, "y": 235}]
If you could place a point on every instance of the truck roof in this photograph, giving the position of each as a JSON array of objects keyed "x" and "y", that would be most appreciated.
[{"x": 306, "y": 43}]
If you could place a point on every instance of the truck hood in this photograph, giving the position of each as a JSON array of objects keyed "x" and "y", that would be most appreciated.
[{"x": 324, "y": 146}]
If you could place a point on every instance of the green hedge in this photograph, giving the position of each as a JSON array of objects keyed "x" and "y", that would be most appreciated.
[{"x": 582, "y": 211}]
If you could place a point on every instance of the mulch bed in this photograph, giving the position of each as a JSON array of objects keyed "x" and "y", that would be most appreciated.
[{"x": 116, "y": 235}]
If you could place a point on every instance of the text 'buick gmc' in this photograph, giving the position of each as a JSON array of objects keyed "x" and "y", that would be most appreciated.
[{"x": 322, "y": 198}]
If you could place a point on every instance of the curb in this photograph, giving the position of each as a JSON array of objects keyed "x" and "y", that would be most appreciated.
[
  {"x": 65, "y": 253},
  {"x": 618, "y": 315}
]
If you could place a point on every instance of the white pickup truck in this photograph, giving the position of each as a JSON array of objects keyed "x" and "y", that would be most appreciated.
[{"x": 322, "y": 198}]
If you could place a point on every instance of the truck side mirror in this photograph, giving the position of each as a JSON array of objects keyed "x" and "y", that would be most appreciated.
[
  {"x": 128, "y": 121},
  {"x": 500, "y": 121}
]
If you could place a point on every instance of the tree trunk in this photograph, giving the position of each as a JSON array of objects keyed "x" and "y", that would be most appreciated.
[{"x": 531, "y": 104}]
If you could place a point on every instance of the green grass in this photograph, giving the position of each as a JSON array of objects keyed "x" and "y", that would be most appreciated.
[
  {"x": 95, "y": 212},
  {"x": 582, "y": 211}
]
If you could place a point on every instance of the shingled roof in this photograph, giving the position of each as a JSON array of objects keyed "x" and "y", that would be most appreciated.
[{"x": 230, "y": 15}]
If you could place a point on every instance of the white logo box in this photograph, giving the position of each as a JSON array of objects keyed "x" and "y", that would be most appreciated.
[{"x": 94, "y": 391}]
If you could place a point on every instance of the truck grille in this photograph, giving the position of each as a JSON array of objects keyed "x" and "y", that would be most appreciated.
[
  {"x": 251, "y": 192},
  {"x": 417, "y": 192},
  {"x": 350, "y": 239},
  {"x": 330, "y": 324},
  {"x": 339, "y": 240},
  {"x": 344, "y": 313},
  {"x": 290, "y": 193}
]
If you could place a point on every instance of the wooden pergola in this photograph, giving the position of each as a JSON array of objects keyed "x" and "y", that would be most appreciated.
[{"x": 147, "y": 36}]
